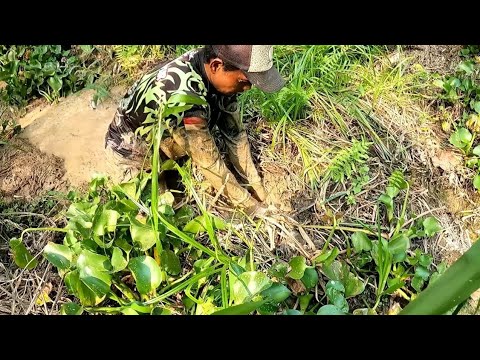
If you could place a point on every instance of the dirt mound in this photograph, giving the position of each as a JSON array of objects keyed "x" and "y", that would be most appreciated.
[
  {"x": 436, "y": 58},
  {"x": 26, "y": 172},
  {"x": 74, "y": 131}
]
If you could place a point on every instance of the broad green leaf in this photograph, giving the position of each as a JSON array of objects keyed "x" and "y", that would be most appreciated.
[
  {"x": 206, "y": 308},
  {"x": 330, "y": 310},
  {"x": 467, "y": 66},
  {"x": 417, "y": 283},
  {"x": 146, "y": 272},
  {"x": 305, "y": 301},
  {"x": 49, "y": 68},
  {"x": 422, "y": 272},
  {"x": 166, "y": 198},
  {"x": 129, "y": 311},
  {"x": 184, "y": 215},
  {"x": 21, "y": 255},
  {"x": 170, "y": 262},
  {"x": 292, "y": 312},
  {"x": 276, "y": 293},
  {"x": 399, "y": 244},
  {"x": 123, "y": 244},
  {"x": 388, "y": 202},
  {"x": 310, "y": 278},
  {"x": 476, "y": 106},
  {"x": 95, "y": 272},
  {"x": 327, "y": 257},
  {"x": 198, "y": 224},
  {"x": 59, "y": 255},
  {"x": 143, "y": 309},
  {"x": 242, "y": 309},
  {"x": 461, "y": 138},
  {"x": 76, "y": 287},
  {"x": 335, "y": 293},
  {"x": 362, "y": 259},
  {"x": 353, "y": 286},
  {"x": 278, "y": 270},
  {"x": 105, "y": 220},
  {"x": 425, "y": 260},
  {"x": 55, "y": 83},
  {"x": 143, "y": 236},
  {"x": 476, "y": 181},
  {"x": 333, "y": 271},
  {"x": 394, "y": 285},
  {"x": 268, "y": 309},
  {"x": 71, "y": 308},
  {"x": 70, "y": 239},
  {"x": 364, "y": 311},
  {"x": 298, "y": 266},
  {"x": 361, "y": 242},
  {"x": 162, "y": 311},
  {"x": 431, "y": 226},
  {"x": 476, "y": 149},
  {"x": 118, "y": 261},
  {"x": 249, "y": 284}
]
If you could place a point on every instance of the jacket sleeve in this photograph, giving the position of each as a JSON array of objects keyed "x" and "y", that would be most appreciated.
[
  {"x": 238, "y": 146},
  {"x": 200, "y": 145}
]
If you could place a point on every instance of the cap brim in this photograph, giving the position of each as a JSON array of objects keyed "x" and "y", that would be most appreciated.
[{"x": 269, "y": 81}]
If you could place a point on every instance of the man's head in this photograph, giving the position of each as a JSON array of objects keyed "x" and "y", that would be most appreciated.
[{"x": 234, "y": 68}]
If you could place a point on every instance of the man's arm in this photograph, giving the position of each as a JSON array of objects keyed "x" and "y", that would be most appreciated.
[
  {"x": 196, "y": 139},
  {"x": 238, "y": 146}
]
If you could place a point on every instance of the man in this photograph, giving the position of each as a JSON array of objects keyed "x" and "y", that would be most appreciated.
[{"x": 217, "y": 74}]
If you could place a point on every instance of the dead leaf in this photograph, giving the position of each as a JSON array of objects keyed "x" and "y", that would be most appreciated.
[
  {"x": 446, "y": 160},
  {"x": 43, "y": 297},
  {"x": 296, "y": 286},
  {"x": 394, "y": 309}
]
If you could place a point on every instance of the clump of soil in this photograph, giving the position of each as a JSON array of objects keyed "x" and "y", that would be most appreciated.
[{"x": 26, "y": 172}]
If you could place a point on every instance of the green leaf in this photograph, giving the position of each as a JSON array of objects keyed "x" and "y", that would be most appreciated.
[
  {"x": 333, "y": 271},
  {"x": 123, "y": 244},
  {"x": 22, "y": 256},
  {"x": 162, "y": 311},
  {"x": 422, "y": 272},
  {"x": 129, "y": 311},
  {"x": 335, "y": 294},
  {"x": 394, "y": 285},
  {"x": 310, "y": 278},
  {"x": 353, "y": 286},
  {"x": 327, "y": 257},
  {"x": 76, "y": 287},
  {"x": 198, "y": 225},
  {"x": 94, "y": 272},
  {"x": 425, "y": 260},
  {"x": 466, "y": 66},
  {"x": 242, "y": 309},
  {"x": 476, "y": 150},
  {"x": 143, "y": 236},
  {"x": 279, "y": 270},
  {"x": 398, "y": 244},
  {"x": 105, "y": 220},
  {"x": 476, "y": 107},
  {"x": 364, "y": 311},
  {"x": 431, "y": 226},
  {"x": 330, "y": 310},
  {"x": 298, "y": 266},
  {"x": 59, "y": 255},
  {"x": 292, "y": 312},
  {"x": 276, "y": 293},
  {"x": 476, "y": 181},
  {"x": 388, "y": 202},
  {"x": 461, "y": 138},
  {"x": 55, "y": 83},
  {"x": 417, "y": 283},
  {"x": 118, "y": 261},
  {"x": 305, "y": 301},
  {"x": 249, "y": 284},
  {"x": 184, "y": 215},
  {"x": 71, "y": 308},
  {"x": 170, "y": 262},
  {"x": 361, "y": 242},
  {"x": 268, "y": 309},
  {"x": 49, "y": 68},
  {"x": 146, "y": 272}
]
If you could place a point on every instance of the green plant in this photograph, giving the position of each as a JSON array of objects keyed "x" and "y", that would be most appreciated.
[{"x": 47, "y": 70}]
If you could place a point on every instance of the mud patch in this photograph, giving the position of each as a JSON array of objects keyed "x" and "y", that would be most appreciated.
[{"x": 26, "y": 172}]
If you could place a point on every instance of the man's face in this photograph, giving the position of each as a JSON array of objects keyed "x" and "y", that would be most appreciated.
[{"x": 228, "y": 82}]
